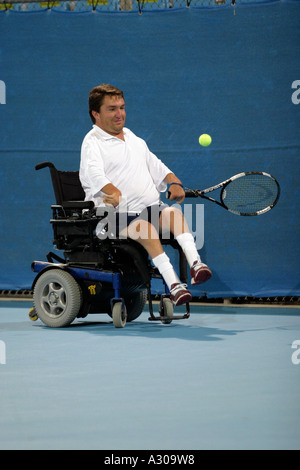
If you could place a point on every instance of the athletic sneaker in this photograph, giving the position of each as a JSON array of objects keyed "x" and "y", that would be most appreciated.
[
  {"x": 179, "y": 294},
  {"x": 200, "y": 273}
]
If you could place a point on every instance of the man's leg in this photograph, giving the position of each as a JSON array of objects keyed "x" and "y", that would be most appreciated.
[
  {"x": 145, "y": 233},
  {"x": 172, "y": 221}
]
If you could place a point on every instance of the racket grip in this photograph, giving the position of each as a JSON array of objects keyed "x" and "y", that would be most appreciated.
[{"x": 190, "y": 193}]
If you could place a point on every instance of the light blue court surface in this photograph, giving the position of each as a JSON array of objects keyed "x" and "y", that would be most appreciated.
[{"x": 223, "y": 379}]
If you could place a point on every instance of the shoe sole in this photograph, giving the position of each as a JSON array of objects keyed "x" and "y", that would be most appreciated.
[{"x": 204, "y": 275}]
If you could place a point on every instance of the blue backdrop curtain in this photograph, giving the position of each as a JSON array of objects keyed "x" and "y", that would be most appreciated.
[{"x": 184, "y": 72}]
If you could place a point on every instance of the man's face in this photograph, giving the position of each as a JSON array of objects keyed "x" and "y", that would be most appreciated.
[{"x": 111, "y": 116}]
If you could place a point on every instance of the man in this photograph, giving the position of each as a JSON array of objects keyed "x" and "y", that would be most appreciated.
[{"x": 117, "y": 166}]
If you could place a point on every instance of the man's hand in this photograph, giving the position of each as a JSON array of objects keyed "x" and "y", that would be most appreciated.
[
  {"x": 111, "y": 195},
  {"x": 177, "y": 193}
]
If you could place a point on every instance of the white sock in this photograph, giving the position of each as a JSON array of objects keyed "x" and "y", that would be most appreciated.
[
  {"x": 162, "y": 263},
  {"x": 187, "y": 243}
]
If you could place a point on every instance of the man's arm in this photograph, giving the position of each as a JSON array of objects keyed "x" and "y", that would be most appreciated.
[{"x": 177, "y": 193}]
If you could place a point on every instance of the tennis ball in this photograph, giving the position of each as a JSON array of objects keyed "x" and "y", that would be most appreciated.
[{"x": 205, "y": 140}]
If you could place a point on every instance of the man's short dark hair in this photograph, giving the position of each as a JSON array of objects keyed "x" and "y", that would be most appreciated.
[{"x": 97, "y": 95}]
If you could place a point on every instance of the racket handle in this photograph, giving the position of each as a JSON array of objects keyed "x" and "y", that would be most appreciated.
[{"x": 188, "y": 193}]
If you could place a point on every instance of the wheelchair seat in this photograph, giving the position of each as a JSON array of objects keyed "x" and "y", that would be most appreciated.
[{"x": 110, "y": 276}]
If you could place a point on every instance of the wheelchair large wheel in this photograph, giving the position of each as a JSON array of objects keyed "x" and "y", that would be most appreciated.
[
  {"x": 135, "y": 304},
  {"x": 57, "y": 298}
]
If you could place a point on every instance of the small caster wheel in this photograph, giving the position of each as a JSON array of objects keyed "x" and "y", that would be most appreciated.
[
  {"x": 119, "y": 315},
  {"x": 167, "y": 311},
  {"x": 32, "y": 314}
]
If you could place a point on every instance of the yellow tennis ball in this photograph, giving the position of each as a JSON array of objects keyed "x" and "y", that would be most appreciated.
[{"x": 205, "y": 140}]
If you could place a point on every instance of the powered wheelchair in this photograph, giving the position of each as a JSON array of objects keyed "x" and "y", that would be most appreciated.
[{"x": 93, "y": 275}]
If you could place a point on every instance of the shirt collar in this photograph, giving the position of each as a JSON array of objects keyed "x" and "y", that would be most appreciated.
[{"x": 105, "y": 135}]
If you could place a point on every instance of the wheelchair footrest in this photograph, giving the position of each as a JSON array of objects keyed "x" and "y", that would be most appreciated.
[
  {"x": 166, "y": 310},
  {"x": 174, "y": 317}
]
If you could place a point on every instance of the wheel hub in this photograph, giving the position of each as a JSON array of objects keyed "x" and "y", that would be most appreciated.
[{"x": 53, "y": 298}]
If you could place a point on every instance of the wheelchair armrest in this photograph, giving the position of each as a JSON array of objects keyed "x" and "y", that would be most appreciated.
[
  {"x": 78, "y": 209},
  {"x": 78, "y": 205}
]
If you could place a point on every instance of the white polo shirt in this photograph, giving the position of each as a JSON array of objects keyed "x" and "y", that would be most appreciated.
[{"x": 128, "y": 165}]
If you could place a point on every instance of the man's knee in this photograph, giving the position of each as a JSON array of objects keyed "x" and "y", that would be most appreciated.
[
  {"x": 171, "y": 220},
  {"x": 142, "y": 230},
  {"x": 171, "y": 212}
]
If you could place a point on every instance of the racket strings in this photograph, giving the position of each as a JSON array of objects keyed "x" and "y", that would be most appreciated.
[{"x": 250, "y": 193}]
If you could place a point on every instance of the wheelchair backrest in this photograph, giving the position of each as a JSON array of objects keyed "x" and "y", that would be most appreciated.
[{"x": 66, "y": 184}]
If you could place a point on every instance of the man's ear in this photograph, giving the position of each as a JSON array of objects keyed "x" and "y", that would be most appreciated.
[{"x": 95, "y": 114}]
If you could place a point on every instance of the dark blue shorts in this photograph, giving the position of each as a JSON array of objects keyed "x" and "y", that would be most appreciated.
[
  {"x": 115, "y": 222},
  {"x": 150, "y": 214}
]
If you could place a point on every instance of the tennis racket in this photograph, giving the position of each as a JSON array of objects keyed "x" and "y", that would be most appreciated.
[{"x": 247, "y": 193}]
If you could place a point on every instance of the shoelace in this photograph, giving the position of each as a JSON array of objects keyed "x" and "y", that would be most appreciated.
[{"x": 179, "y": 286}]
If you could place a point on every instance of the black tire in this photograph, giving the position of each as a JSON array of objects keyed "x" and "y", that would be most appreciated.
[
  {"x": 57, "y": 298},
  {"x": 135, "y": 304}
]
